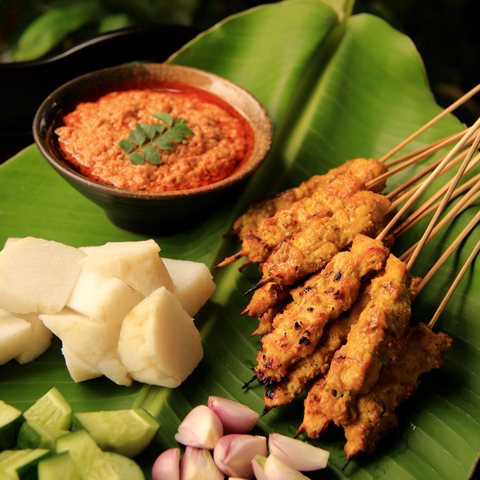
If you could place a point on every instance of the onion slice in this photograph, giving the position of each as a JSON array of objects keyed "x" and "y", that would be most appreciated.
[
  {"x": 235, "y": 417},
  {"x": 276, "y": 469},
  {"x": 298, "y": 454},
  {"x": 167, "y": 465},
  {"x": 233, "y": 454},
  {"x": 258, "y": 465},
  {"x": 198, "y": 464},
  {"x": 201, "y": 428}
]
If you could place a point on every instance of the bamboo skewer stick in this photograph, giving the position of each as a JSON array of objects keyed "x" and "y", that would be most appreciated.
[
  {"x": 430, "y": 179},
  {"x": 434, "y": 120},
  {"x": 427, "y": 153},
  {"x": 396, "y": 203},
  {"x": 429, "y": 206},
  {"x": 473, "y": 222},
  {"x": 466, "y": 201},
  {"x": 443, "y": 204},
  {"x": 419, "y": 176},
  {"x": 444, "y": 141},
  {"x": 454, "y": 285}
]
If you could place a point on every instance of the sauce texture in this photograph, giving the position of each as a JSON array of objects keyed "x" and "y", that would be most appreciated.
[{"x": 91, "y": 133}]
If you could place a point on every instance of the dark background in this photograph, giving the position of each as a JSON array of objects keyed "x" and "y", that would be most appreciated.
[{"x": 444, "y": 32}]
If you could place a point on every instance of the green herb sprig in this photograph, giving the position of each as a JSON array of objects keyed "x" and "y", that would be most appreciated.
[{"x": 146, "y": 135}]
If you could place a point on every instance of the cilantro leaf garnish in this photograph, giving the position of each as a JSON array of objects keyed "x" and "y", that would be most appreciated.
[{"x": 147, "y": 136}]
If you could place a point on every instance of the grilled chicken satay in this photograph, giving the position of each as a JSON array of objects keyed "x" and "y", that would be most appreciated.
[
  {"x": 265, "y": 321},
  {"x": 355, "y": 367},
  {"x": 323, "y": 297},
  {"x": 267, "y": 207},
  {"x": 421, "y": 351},
  {"x": 364, "y": 214},
  {"x": 309, "y": 250},
  {"x": 318, "y": 363},
  {"x": 328, "y": 198},
  {"x": 266, "y": 298}
]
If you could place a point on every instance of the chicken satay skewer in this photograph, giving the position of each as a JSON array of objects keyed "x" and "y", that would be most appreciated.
[
  {"x": 320, "y": 404},
  {"x": 269, "y": 294},
  {"x": 286, "y": 222},
  {"x": 356, "y": 366},
  {"x": 420, "y": 352},
  {"x": 329, "y": 197},
  {"x": 302, "y": 254},
  {"x": 323, "y": 297},
  {"x": 317, "y": 363}
]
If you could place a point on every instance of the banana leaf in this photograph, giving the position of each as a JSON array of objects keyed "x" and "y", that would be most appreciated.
[{"x": 337, "y": 87}]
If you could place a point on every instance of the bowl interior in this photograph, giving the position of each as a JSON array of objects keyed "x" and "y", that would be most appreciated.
[{"x": 91, "y": 86}]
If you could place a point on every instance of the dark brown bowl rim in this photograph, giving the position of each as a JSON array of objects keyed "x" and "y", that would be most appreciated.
[{"x": 62, "y": 168}]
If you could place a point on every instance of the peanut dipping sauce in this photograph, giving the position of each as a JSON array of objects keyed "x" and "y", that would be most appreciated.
[{"x": 222, "y": 140}]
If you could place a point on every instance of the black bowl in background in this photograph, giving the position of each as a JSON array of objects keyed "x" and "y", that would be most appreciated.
[{"x": 140, "y": 211}]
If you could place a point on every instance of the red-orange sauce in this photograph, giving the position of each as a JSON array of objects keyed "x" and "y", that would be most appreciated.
[{"x": 221, "y": 144}]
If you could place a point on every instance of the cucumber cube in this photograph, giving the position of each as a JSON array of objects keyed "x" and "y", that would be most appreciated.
[
  {"x": 11, "y": 420},
  {"x": 51, "y": 410},
  {"x": 58, "y": 467},
  {"x": 127, "y": 432},
  {"x": 87, "y": 456},
  {"x": 22, "y": 462},
  {"x": 36, "y": 435}
]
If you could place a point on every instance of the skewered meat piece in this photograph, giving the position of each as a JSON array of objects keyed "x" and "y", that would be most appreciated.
[
  {"x": 421, "y": 351},
  {"x": 309, "y": 250},
  {"x": 318, "y": 363},
  {"x": 356, "y": 366},
  {"x": 323, "y": 297},
  {"x": 365, "y": 209},
  {"x": 327, "y": 199},
  {"x": 265, "y": 298},
  {"x": 267, "y": 207},
  {"x": 265, "y": 321}
]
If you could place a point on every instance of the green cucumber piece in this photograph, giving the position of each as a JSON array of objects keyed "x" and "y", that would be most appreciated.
[
  {"x": 127, "y": 432},
  {"x": 58, "y": 467},
  {"x": 8, "y": 476},
  {"x": 11, "y": 420},
  {"x": 125, "y": 467},
  {"x": 51, "y": 410},
  {"x": 22, "y": 462},
  {"x": 36, "y": 435},
  {"x": 87, "y": 456}
]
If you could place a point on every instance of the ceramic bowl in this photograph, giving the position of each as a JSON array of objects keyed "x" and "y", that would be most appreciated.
[{"x": 139, "y": 211}]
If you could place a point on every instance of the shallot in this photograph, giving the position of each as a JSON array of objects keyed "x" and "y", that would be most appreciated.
[
  {"x": 299, "y": 455},
  {"x": 198, "y": 464},
  {"x": 167, "y": 465},
  {"x": 235, "y": 417},
  {"x": 201, "y": 428},
  {"x": 233, "y": 454}
]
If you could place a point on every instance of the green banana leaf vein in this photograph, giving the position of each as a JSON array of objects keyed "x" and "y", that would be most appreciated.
[{"x": 336, "y": 87}]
